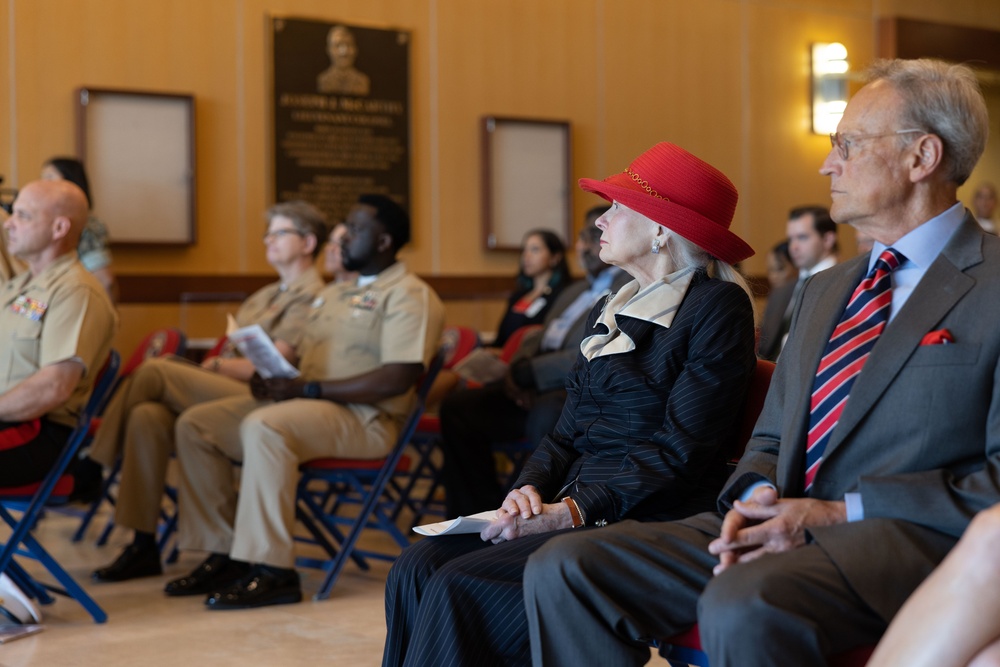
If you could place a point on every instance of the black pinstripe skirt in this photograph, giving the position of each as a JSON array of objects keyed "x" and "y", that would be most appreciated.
[{"x": 456, "y": 600}]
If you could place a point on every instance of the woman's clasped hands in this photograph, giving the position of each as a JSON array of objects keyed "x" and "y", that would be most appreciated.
[{"x": 523, "y": 513}]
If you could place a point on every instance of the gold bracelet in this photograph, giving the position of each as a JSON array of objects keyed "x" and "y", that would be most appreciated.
[{"x": 574, "y": 512}]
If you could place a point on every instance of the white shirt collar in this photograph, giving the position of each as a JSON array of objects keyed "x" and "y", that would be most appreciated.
[
  {"x": 822, "y": 265},
  {"x": 656, "y": 304}
]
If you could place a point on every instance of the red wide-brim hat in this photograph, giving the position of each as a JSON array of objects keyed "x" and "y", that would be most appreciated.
[{"x": 681, "y": 192}]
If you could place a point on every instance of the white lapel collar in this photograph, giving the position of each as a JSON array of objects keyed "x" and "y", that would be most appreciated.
[{"x": 657, "y": 304}]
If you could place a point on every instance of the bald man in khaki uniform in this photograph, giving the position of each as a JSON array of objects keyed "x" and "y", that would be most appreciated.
[
  {"x": 138, "y": 424},
  {"x": 56, "y": 322},
  {"x": 364, "y": 347}
]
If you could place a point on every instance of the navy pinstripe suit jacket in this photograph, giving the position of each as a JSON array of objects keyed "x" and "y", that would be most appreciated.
[{"x": 642, "y": 434}]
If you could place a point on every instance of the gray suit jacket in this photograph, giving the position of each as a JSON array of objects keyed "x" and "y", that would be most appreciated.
[
  {"x": 920, "y": 435},
  {"x": 770, "y": 325},
  {"x": 551, "y": 368}
]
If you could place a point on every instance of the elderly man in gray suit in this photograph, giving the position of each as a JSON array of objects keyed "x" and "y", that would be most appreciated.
[{"x": 850, "y": 492}]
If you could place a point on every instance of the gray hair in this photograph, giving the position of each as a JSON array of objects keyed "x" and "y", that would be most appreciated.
[
  {"x": 685, "y": 254},
  {"x": 307, "y": 220},
  {"x": 944, "y": 99}
]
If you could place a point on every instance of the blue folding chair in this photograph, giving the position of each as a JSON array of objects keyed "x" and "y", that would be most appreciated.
[
  {"x": 54, "y": 489},
  {"x": 158, "y": 343},
  {"x": 457, "y": 342},
  {"x": 329, "y": 484}
]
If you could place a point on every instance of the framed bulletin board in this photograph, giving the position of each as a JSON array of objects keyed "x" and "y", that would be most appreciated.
[
  {"x": 138, "y": 149},
  {"x": 526, "y": 180}
]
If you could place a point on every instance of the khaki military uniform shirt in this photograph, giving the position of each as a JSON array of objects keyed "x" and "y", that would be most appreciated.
[
  {"x": 62, "y": 313},
  {"x": 356, "y": 329},
  {"x": 281, "y": 313}
]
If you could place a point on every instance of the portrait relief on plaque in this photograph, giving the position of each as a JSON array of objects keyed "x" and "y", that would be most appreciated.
[
  {"x": 341, "y": 76},
  {"x": 341, "y": 113}
]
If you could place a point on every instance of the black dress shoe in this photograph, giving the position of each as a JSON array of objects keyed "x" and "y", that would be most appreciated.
[
  {"x": 261, "y": 587},
  {"x": 218, "y": 571},
  {"x": 132, "y": 563}
]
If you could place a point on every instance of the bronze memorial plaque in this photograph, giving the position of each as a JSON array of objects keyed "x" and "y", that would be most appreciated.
[{"x": 341, "y": 113}]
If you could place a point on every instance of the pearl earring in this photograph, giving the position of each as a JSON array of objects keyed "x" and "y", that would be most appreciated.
[{"x": 656, "y": 248}]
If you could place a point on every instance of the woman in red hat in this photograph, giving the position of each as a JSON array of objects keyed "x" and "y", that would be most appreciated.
[{"x": 651, "y": 405}]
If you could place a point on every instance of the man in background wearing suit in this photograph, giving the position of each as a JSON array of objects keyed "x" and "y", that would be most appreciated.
[
  {"x": 528, "y": 402},
  {"x": 813, "y": 552},
  {"x": 812, "y": 244}
]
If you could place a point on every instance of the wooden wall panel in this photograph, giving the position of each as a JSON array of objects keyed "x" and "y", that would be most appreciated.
[
  {"x": 672, "y": 72},
  {"x": 182, "y": 46},
  {"x": 505, "y": 58},
  {"x": 8, "y": 133},
  {"x": 784, "y": 154},
  {"x": 972, "y": 13}
]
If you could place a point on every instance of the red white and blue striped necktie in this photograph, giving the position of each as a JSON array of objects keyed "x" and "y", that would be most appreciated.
[{"x": 852, "y": 341}]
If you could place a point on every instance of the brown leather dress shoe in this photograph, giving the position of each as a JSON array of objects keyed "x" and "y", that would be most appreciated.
[
  {"x": 132, "y": 563},
  {"x": 218, "y": 571}
]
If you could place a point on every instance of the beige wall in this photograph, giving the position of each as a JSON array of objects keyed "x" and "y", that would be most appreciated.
[{"x": 727, "y": 79}]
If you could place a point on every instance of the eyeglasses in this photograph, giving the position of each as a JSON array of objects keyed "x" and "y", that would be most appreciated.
[
  {"x": 842, "y": 142},
  {"x": 278, "y": 233}
]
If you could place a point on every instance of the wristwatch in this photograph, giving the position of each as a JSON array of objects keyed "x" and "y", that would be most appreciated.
[{"x": 312, "y": 390}]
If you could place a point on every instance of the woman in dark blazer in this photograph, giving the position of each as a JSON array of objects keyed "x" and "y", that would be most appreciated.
[
  {"x": 652, "y": 402},
  {"x": 543, "y": 275}
]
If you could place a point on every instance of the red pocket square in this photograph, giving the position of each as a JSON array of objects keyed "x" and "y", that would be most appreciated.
[{"x": 939, "y": 337}]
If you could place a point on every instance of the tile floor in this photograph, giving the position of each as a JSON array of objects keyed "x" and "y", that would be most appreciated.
[{"x": 146, "y": 628}]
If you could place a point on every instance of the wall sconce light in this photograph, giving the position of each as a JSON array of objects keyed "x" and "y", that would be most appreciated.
[{"x": 829, "y": 86}]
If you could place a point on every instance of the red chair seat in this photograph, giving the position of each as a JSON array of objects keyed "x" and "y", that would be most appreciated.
[
  {"x": 856, "y": 657},
  {"x": 429, "y": 425},
  {"x": 457, "y": 343},
  {"x": 63, "y": 488},
  {"x": 689, "y": 639},
  {"x": 355, "y": 464}
]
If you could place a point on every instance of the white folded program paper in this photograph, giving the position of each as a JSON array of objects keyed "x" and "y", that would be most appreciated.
[
  {"x": 474, "y": 523},
  {"x": 16, "y": 603},
  {"x": 256, "y": 346}
]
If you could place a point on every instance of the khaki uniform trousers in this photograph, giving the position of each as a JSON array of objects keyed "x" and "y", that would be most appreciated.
[
  {"x": 138, "y": 425},
  {"x": 271, "y": 440}
]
